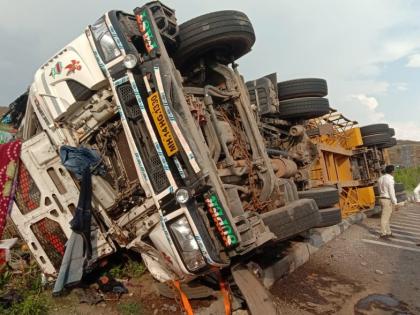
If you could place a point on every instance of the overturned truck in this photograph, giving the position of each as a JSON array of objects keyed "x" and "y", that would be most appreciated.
[{"x": 186, "y": 178}]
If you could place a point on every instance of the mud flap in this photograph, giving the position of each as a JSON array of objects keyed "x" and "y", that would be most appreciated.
[{"x": 257, "y": 297}]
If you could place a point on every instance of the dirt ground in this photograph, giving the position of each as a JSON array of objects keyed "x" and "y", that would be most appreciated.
[
  {"x": 142, "y": 299},
  {"x": 358, "y": 273}
]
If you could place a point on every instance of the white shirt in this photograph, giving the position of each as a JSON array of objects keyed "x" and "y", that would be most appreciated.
[{"x": 386, "y": 187}]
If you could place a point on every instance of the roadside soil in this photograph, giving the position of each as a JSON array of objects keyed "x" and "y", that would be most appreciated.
[{"x": 346, "y": 271}]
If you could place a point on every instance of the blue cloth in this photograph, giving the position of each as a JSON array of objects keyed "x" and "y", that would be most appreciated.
[
  {"x": 76, "y": 160},
  {"x": 82, "y": 162},
  {"x": 72, "y": 265}
]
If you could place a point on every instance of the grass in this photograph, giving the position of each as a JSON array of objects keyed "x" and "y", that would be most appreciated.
[
  {"x": 32, "y": 304},
  {"x": 34, "y": 299},
  {"x": 129, "y": 309},
  {"x": 28, "y": 286},
  {"x": 132, "y": 269}
]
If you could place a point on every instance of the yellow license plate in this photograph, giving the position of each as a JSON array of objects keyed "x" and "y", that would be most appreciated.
[{"x": 162, "y": 124}]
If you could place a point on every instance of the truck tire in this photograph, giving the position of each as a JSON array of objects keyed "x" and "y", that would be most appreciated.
[
  {"x": 310, "y": 87},
  {"x": 376, "y": 139},
  {"x": 303, "y": 108},
  {"x": 392, "y": 142},
  {"x": 330, "y": 216},
  {"x": 292, "y": 219},
  {"x": 229, "y": 33},
  {"x": 391, "y": 132},
  {"x": 374, "y": 129},
  {"x": 324, "y": 197},
  {"x": 373, "y": 211},
  {"x": 399, "y": 187},
  {"x": 401, "y": 196}
]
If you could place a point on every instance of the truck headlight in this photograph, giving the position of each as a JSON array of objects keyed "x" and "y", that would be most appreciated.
[
  {"x": 182, "y": 196},
  {"x": 190, "y": 251},
  {"x": 103, "y": 36},
  {"x": 130, "y": 61}
]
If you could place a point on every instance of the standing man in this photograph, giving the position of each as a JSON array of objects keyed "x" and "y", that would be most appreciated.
[{"x": 387, "y": 199}]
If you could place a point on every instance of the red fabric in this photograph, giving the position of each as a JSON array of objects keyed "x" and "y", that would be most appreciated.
[{"x": 9, "y": 159}]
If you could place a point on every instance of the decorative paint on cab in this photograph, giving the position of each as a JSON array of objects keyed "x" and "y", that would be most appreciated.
[
  {"x": 73, "y": 66},
  {"x": 56, "y": 70}
]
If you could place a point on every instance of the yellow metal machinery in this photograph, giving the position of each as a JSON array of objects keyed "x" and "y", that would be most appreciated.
[{"x": 340, "y": 162}]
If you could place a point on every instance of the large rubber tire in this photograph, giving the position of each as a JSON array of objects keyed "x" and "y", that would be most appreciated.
[
  {"x": 292, "y": 219},
  {"x": 376, "y": 139},
  {"x": 330, "y": 216},
  {"x": 374, "y": 129},
  {"x": 303, "y": 108},
  {"x": 391, "y": 132},
  {"x": 311, "y": 87},
  {"x": 324, "y": 197},
  {"x": 392, "y": 142},
  {"x": 229, "y": 33},
  {"x": 373, "y": 211},
  {"x": 399, "y": 187},
  {"x": 401, "y": 196}
]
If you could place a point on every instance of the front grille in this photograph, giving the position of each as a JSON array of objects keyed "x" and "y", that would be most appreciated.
[
  {"x": 27, "y": 195},
  {"x": 52, "y": 239},
  {"x": 128, "y": 99},
  {"x": 142, "y": 138}
]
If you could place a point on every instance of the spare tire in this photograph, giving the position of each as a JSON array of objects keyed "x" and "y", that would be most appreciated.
[
  {"x": 392, "y": 142},
  {"x": 324, "y": 197},
  {"x": 303, "y": 108},
  {"x": 330, "y": 216},
  {"x": 311, "y": 87},
  {"x": 292, "y": 219},
  {"x": 401, "y": 196},
  {"x": 376, "y": 139},
  {"x": 374, "y": 129},
  {"x": 399, "y": 187},
  {"x": 227, "y": 34}
]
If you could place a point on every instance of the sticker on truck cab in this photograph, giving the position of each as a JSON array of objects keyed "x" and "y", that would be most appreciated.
[
  {"x": 149, "y": 39},
  {"x": 161, "y": 123},
  {"x": 221, "y": 221}
]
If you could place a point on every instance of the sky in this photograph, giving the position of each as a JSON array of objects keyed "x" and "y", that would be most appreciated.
[{"x": 368, "y": 51}]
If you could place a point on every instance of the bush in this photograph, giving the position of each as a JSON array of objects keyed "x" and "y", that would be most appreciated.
[
  {"x": 410, "y": 177},
  {"x": 131, "y": 268},
  {"x": 33, "y": 304}
]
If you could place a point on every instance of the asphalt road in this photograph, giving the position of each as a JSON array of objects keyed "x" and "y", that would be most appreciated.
[{"x": 359, "y": 273}]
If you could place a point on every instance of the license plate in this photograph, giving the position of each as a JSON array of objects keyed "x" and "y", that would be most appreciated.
[{"x": 162, "y": 124}]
